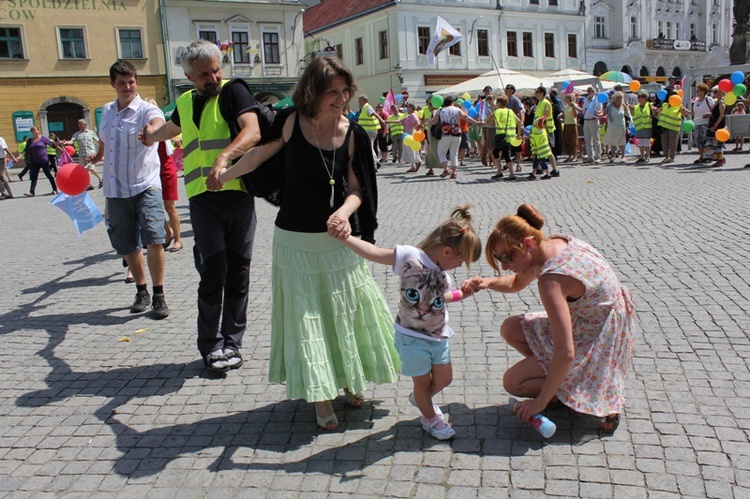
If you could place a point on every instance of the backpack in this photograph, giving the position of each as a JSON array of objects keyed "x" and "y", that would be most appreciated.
[{"x": 265, "y": 119}]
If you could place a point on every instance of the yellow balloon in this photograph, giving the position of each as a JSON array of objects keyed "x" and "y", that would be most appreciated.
[
  {"x": 730, "y": 99},
  {"x": 515, "y": 142},
  {"x": 466, "y": 96},
  {"x": 722, "y": 134}
]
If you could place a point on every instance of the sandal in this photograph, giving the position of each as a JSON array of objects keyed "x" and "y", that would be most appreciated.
[
  {"x": 329, "y": 422},
  {"x": 497, "y": 175},
  {"x": 355, "y": 400},
  {"x": 609, "y": 424},
  {"x": 453, "y": 175},
  {"x": 412, "y": 169},
  {"x": 445, "y": 173},
  {"x": 429, "y": 173}
]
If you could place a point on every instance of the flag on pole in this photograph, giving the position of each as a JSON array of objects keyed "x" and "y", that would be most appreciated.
[
  {"x": 390, "y": 100},
  {"x": 445, "y": 36},
  {"x": 81, "y": 209}
]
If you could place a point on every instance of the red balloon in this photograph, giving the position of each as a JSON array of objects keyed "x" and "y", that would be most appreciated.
[
  {"x": 726, "y": 85},
  {"x": 71, "y": 150},
  {"x": 72, "y": 179}
]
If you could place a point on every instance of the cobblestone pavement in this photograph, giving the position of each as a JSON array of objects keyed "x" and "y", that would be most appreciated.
[{"x": 84, "y": 414}]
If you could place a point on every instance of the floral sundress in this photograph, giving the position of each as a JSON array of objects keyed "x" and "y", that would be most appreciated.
[{"x": 603, "y": 331}]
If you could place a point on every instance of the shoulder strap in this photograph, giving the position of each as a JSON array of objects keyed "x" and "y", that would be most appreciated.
[{"x": 265, "y": 116}]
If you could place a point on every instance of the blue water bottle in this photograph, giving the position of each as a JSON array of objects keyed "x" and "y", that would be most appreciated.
[{"x": 540, "y": 423}]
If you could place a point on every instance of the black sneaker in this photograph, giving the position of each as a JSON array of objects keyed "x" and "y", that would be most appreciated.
[
  {"x": 159, "y": 306},
  {"x": 554, "y": 173},
  {"x": 141, "y": 303},
  {"x": 234, "y": 358}
]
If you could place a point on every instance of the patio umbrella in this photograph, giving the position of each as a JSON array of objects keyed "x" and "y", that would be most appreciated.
[
  {"x": 497, "y": 79},
  {"x": 616, "y": 76},
  {"x": 284, "y": 103}
]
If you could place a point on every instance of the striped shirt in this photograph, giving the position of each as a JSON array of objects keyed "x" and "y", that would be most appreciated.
[{"x": 129, "y": 167}]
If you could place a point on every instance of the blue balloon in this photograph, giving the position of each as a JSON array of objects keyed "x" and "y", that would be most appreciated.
[
  {"x": 467, "y": 104},
  {"x": 602, "y": 98},
  {"x": 662, "y": 94},
  {"x": 632, "y": 129},
  {"x": 473, "y": 113},
  {"x": 403, "y": 135},
  {"x": 528, "y": 128},
  {"x": 738, "y": 77}
]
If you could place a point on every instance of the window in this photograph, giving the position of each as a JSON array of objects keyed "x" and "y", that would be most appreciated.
[
  {"x": 455, "y": 49},
  {"x": 714, "y": 34},
  {"x": 271, "y": 54},
  {"x": 692, "y": 30},
  {"x": 383, "y": 38},
  {"x": 573, "y": 46},
  {"x": 423, "y": 39},
  {"x": 360, "y": 52},
  {"x": 72, "y": 43},
  {"x": 633, "y": 27},
  {"x": 512, "y": 43},
  {"x": 340, "y": 52},
  {"x": 677, "y": 31},
  {"x": 131, "y": 45},
  {"x": 660, "y": 29},
  {"x": 528, "y": 47},
  {"x": 599, "y": 31},
  {"x": 11, "y": 44},
  {"x": 210, "y": 35},
  {"x": 669, "y": 30},
  {"x": 553, "y": 3},
  {"x": 240, "y": 54},
  {"x": 483, "y": 43},
  {"x": 549, "y": 45},
  {"x": 534, "y": 2}
]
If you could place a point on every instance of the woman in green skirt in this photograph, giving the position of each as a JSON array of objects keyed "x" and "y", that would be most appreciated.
[{"x": 331, "y": 328}]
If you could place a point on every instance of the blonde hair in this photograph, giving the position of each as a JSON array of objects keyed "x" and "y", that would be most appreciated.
[
  {"x": 458, "y": 234},
  {"x": 510, "y": 232}
]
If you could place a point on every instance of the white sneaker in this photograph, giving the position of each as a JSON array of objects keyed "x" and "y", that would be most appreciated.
[
  {"x": 445, "y": 432},
  {"x": 434, "y": 405}
]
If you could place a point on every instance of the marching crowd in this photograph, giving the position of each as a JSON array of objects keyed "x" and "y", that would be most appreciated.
[{"x": 503, "y": 129}]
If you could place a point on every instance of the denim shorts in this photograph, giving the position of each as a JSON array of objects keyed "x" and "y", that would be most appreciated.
[
  {"x": 136, "y": 221},
  {"x": 419, "y": 355}
]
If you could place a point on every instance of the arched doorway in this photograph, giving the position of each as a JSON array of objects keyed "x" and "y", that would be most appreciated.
[
  {"x": 660, "y": 71},
  {"x": 600, "y": 68},
  {"x": 677, "y": 72},
  {"x": 60, "y": 115},
  {"x": 644, "y": 71},
  {"x": 627, "y": 69}
]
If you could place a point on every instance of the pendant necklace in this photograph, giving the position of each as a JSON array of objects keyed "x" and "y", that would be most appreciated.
[{"x": 331, "y": 181}]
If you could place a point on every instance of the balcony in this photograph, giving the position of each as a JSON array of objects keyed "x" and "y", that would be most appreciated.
[{"x": 671, "y": 44}]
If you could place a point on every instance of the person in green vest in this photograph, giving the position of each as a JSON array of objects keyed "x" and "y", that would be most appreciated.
[
  {"x": 397, "y": 132},
  {"x": 370, "y": 121},
  {"x": 507, "y": 127},
  {"x": 670, "y": 121},
  {"x": 223, "y": 220},
  {"x": 22, "y": 154},
  {"x": 52, "y": 154},
  {"x": 544, "y": 110},
  {"x": 642, "y": 120},
  {"x": 540, "y": 149}
]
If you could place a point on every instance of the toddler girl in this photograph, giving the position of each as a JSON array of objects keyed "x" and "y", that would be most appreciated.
[
  {"x": 421, "y": 325},
  {"x": 739, "y": 108}
]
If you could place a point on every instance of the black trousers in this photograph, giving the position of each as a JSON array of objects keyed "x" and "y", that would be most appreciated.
[
  {"x": 224, "y": 228},
  {"x": 34, "y": 175}
]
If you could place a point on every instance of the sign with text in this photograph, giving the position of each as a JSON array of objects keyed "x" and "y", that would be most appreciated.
[{"x": 22, "y": 123}]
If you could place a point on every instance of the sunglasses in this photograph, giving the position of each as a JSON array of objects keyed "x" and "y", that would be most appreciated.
[{"x": 504, "y": 257}]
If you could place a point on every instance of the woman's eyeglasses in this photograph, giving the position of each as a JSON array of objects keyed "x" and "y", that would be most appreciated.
[{"x": 505, "y": 257}]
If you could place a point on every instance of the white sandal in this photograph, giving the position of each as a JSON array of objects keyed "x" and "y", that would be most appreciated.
[{"x": 325, "y": 422}]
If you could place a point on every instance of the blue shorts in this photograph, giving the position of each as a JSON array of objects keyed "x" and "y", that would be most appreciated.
[
  {"x": 136, "y": 220},
  {"x": 419, "y": 355}
]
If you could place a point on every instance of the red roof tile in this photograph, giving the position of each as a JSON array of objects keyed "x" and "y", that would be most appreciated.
[{"x": 330, "y": 12}]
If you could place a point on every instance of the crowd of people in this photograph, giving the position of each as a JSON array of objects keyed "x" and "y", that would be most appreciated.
[
  {"x": 331, "y": 329},
  {"x": 593, "y": 127}
]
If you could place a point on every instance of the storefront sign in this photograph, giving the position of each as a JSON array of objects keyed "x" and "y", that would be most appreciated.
[
  {"x": 445, "y": 80},
  {"x": 22, "y": 123}
]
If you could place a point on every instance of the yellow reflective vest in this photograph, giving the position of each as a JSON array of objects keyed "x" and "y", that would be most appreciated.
[
  {"x": 369, "y": 122},
  {"x": 642, "y": 116},
  {"x": 397, "y": 128},
  {"x": 505, "y": 124},
  {"x": 200, "y": 147},
  {"x": 539, "y": 141},
  {"x": 539, "y": 113},
  {"x": 670, "y": 117}
]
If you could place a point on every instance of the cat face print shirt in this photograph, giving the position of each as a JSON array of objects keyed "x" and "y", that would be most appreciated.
[{"x": 421, "y": 309}]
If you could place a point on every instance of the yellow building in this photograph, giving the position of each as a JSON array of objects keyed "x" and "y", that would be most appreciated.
[{"x": 55, "y": 57}]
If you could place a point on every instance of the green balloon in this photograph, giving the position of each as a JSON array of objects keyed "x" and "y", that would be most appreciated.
[
  {"x": 688, "y": 126},
  {"x": 436, "y": 100},
  {"x": 739, "y": 89},
  {"x": 382, "y": 99}
]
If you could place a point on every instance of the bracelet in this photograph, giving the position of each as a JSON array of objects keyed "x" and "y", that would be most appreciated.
[{"x": 456, "y": 294}]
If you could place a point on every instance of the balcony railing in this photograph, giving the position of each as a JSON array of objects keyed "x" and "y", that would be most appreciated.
[{"x": 671, "y": 44}]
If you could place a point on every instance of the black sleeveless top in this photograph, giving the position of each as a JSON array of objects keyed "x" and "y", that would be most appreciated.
[{"x": 305, "y": 206}]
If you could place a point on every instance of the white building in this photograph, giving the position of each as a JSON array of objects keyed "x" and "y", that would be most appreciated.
[
  {"x": 266, "y": 34},
  {"x": 657, "y": 38}
]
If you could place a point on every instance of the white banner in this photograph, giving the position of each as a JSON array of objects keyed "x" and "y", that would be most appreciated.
[{"x": 445, "y": 36}]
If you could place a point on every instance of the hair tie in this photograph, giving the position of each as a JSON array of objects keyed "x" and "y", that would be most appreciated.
[{"x": 463, "y": 230}]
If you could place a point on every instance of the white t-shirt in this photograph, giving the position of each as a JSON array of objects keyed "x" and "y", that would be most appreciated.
[
  {"x": 3, "y": 147},
  {"x": 700, "y": 108},
  {"x": 421, "y": 310}
]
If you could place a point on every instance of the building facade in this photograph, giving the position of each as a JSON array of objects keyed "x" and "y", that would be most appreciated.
[
  {"x": 655, "y": 39},
  {"x": 261, "y": 40},
  {"x": 55, "y": 57}
]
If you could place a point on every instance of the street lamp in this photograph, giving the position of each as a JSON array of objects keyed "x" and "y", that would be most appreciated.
[{"x": 399, "y": 74}]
